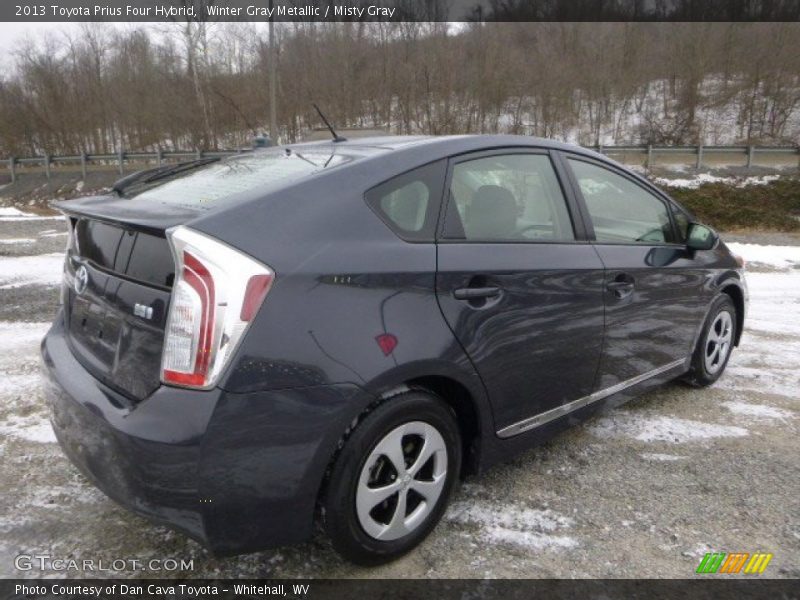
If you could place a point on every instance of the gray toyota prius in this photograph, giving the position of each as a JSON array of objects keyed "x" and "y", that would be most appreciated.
[{"x": 338, "y": 331}]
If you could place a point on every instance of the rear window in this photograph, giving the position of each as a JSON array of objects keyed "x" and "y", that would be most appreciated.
[
  {"x": 151, "y": 260},
  {"x": 210, "y": 184},
  {"x": 98, "y": 242}
]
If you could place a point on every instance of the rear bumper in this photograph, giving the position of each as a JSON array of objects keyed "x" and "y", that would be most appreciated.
[{"x": 237, "y": 472}]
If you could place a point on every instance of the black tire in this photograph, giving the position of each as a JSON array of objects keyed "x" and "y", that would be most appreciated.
[
  {"x": 699, "y": 374},
  {"x": 340, "y": 516}
]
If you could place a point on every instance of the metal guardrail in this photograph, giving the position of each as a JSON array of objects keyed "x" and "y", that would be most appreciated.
[
  {"x": 700, "y": 152},
  {"x": 750, "y": 153},
  {"x": 120, "y": 158}
]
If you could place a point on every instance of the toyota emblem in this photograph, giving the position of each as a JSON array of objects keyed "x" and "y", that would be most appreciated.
[{"x": 81, "y": 279}]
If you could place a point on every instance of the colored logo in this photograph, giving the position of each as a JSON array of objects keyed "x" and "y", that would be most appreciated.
[{"x": 734, "y": 562}]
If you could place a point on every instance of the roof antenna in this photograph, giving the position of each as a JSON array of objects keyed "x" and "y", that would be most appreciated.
[{"x": 336, "y": 137}]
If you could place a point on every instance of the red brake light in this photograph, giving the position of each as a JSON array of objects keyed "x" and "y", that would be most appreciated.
[
  {"x": 254, "y": 294},
  {"x": 198, "y": 277},
  {"x": 216, "y": 294}
]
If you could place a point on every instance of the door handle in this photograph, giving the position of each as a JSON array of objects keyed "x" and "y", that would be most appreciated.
[
  {"x": 622, "y": 285},
  {"x": 472, "y": 293}
]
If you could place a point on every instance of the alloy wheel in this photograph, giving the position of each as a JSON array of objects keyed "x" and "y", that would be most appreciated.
[
  {"x": 718, "y": 342},
  {"x": 401, "y": 481}
]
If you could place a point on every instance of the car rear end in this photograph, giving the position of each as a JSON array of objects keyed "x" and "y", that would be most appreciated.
[
  {"x": 102, "y": 358},
  {"x": 152, "y": 312},
  {"x": 149, "y": 319}
]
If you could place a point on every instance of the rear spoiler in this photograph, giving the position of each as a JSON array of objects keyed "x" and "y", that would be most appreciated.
[{"x": 129, "y": 213}]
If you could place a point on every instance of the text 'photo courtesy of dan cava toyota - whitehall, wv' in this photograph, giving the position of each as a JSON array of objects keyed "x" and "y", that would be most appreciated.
[{"x": 488, "y": 298}]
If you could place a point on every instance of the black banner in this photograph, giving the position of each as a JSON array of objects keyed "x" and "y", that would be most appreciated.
[
  {"x": 399, "y": 10},
  {"x": 377, "y": 589}
]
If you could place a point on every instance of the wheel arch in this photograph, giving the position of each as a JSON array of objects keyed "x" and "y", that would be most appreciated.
[
  {"x": 461, "y": 402},
  {"x": 737, "y": 296}
]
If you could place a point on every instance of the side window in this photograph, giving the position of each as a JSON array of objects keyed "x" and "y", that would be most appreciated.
[
  {"x": 512, "y": 197},
  {"x": 408, "y": 203},
  {"x": 621, "y": 211}
]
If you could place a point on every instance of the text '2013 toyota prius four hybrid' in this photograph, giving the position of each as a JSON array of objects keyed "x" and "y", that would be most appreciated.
[{"x": 341, "y": 330}]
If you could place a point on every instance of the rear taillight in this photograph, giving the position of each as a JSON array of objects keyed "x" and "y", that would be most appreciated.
[
  {"x": 216, "y": 294},
  {"x": 70, "y": 250}
]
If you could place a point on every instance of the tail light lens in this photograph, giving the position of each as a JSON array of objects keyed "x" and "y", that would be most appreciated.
[
  {"x": 216, "y": 294},
  {"x": 71, "y": 249}
]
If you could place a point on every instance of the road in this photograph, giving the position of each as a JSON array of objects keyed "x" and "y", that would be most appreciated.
[{"x": 641, "y": 491}]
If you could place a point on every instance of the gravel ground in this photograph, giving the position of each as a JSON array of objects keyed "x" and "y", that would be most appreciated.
[{"x": 641, "y": 491}]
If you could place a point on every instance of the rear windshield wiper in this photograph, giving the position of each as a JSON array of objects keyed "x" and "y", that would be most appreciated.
[{"x": 150, "y": 175}]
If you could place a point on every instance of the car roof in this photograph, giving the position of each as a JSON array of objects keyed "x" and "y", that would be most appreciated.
[{"x": 441, "y": 145}]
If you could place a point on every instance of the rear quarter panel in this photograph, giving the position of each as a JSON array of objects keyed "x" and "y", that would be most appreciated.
[{"x": 342, "y": 279}]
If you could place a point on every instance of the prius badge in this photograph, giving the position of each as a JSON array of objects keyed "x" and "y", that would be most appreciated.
[{"x": 141, "y": 310}]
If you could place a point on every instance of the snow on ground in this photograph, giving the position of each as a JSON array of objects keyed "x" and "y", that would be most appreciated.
[
  {"x": 508, "y": 524},
  {"x": 19, "y": 391},
  {"x": 780, "y": 257},
  {"x": 14, "y": 241},
  {"x": 19, "y": 335},
  {"x": 703, "y": 178},
  {"x": 658, "y": 457},
  {"x": 660, "y": 428},
  {"x": 18, "y": 271},
  {"x": 32, "y": 428},
  {"x": 9, "y": 213},
  {"x": 758, "y": 411},
  {"x": 774, "y": 303},
  {"x": 782, "y": 378}
]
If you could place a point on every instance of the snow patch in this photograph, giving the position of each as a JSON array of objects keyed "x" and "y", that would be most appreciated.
[
  {"x": 34, "y": 428},
  {"x": 774, "y": 303},
  {"x": 704, "y": 178},
  {"x": 698, "y": 551},
  {"x": 524, "y": 527},
  {"x": 16, "y": 334},
  {"x": 769, "y": 380},
  {"x": 75, "y": 491},
  {"x": 781, "y": 257},
  {"x": 9, "y": 213},
  {"x": 12, "y": 241},
  {"x": 12, "y": 386},
  {"x": 660, "y": 428},
  {"x": 43, "y": 269},
  {"x": 757, "y": 411},
  {"x": 654, "y": 456}
]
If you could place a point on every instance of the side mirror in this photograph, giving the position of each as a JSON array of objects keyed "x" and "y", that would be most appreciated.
[{"x": 701, "y": 237}]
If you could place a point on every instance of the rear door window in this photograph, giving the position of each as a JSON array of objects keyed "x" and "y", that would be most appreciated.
[{"x": 507, "y": 198}]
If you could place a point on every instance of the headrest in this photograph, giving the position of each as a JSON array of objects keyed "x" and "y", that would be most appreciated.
[{"x": 492, "y": 213}]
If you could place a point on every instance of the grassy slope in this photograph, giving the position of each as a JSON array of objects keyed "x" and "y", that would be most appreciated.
[{"x": 770, "y": 207}]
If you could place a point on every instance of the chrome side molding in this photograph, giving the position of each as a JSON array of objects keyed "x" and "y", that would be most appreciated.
[{"x": 565, "y": 409}]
